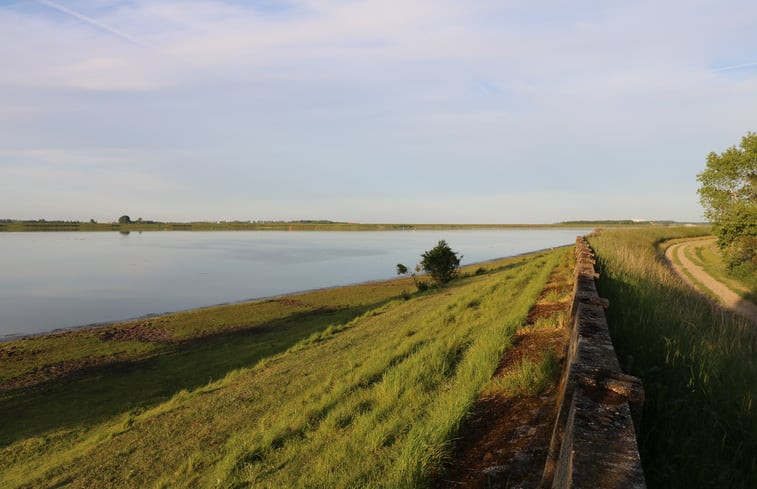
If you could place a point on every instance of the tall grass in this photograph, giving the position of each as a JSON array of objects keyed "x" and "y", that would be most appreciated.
[
  {"x": 371, "y": 401},
  {"x": 530, "y": 377},
  {"x": 698, "y": 364}
]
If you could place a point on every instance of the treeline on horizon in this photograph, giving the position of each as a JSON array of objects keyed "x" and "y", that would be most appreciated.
[
  {"x": 18, "y": 225},
  {"x": 621, "y": 222}
]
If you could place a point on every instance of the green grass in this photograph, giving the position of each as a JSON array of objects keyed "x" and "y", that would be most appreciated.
[
  {"x": 697, "y": 362},
  {"x": 530, "y": 378},
  {"x": 706, "y": 254},
  {"x": 35, "y": 356},
  {"x": 359, "y": 388}
]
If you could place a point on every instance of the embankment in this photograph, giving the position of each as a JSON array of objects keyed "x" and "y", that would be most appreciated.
[{"x": 599, "y": 407}]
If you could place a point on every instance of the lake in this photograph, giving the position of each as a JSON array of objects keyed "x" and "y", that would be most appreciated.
[{"x": 51, "y": 281}]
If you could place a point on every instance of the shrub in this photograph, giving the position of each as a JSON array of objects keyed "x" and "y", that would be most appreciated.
[{"x": 441, "y": 263}]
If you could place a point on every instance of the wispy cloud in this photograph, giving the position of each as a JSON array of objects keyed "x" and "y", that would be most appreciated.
[
  {"x": 735, "y": 67},
  {"x": 348, "y": 98},
  {"x": 93, "y": 22}
]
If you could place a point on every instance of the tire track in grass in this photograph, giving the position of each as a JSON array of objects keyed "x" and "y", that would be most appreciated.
[{"x": 697, "y": 277}]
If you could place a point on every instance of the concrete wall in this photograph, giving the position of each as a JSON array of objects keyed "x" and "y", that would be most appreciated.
[{"x": 599, "y": 408}]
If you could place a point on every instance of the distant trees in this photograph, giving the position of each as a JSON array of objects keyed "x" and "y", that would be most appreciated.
[
  {"x": 729, "y": 197},
  {"x": 441, "y": 263},
  {"x": 124, "y": 220}
]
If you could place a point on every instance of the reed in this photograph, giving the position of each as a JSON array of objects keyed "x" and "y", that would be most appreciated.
[{"x": 698, "y": 364}]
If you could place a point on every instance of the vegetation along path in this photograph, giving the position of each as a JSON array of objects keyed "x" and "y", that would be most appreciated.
[
  {"x": 696, "y": 276},
  {"x": 698, "y": 364}
]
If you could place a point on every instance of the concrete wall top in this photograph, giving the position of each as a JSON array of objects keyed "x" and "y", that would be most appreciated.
[{"x": 599, "y": 407}]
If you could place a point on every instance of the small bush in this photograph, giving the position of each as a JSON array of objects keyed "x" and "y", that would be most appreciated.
[{"x": 441, "y": 263}]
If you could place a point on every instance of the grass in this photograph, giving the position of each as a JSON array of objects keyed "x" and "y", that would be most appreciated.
[
  {"x": 37, "y": 357},
  {"x": 350, "y": 387},
  {"x": 706, "y": 254},
  {"x": 697, "y": 362},
  {"x": 530, "y": 378}
]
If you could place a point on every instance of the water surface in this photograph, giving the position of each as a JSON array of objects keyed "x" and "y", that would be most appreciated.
[{"x": 60, "y": 280}]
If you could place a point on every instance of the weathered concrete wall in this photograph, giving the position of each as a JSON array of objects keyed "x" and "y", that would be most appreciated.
[{"x": 599, "y": 408}]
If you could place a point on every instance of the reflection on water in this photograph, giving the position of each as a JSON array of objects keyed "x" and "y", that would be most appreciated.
[{"x": 59, "y": 280}]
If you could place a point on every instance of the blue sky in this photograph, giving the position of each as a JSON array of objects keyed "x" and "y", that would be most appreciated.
[{"x": 371, "y": 111}]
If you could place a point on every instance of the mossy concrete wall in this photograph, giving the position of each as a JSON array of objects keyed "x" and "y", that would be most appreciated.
[{"x": 599, "y": 407}]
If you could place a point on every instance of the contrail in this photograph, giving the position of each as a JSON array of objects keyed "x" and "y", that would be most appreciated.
[
  {"x": 736, "y": 67},
  {"x": 91, "y": 21}
]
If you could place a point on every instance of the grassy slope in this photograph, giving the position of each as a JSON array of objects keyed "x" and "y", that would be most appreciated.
[
  {"x": 698, "y": 365},
  {"x": 366, "y": 392},
  {"x": 38, "y": 356}
]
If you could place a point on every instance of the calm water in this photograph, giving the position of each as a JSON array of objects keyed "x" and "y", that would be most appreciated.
[{"x": 60, "y": 280}]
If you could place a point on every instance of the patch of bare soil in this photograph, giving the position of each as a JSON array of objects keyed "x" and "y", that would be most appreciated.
[
  {"x": 289, "y": 302},
  {"x": 57, "y": 370},
  {"x": 147, "y": 331},
  {"x": 506, "y": 440},
  {"x": 139, "y": 331},
  {"x": 546, "y": 310}
]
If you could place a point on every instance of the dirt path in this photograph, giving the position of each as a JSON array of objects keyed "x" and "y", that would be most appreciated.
[{"x": 726, "y": 297}]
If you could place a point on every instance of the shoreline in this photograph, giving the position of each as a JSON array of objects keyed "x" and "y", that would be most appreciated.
[
  {"x": 82, "y": 327},
  {"x": 56, "y": 227}
]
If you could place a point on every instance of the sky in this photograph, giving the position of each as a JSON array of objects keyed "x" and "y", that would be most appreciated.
[{"x": 422, "y": 111}]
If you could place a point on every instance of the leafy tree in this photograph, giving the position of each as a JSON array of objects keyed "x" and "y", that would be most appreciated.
[
  {"x": 729, "y": 197},
  {"x": 441, "y": 263},
  {"x": 124, "y": 220}
]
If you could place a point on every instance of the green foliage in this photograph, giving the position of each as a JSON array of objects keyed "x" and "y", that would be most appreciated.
[
  {"x": 401, "y": 269},
  {"x": 124, "y": 220},
  {"x": 441, "y": 263},
  {"x": 729, "y": 196}
]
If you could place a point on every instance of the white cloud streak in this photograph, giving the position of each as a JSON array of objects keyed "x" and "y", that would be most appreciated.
[
  {"x": 91, "y": 21},
  {"x": 735, "y": 67}
]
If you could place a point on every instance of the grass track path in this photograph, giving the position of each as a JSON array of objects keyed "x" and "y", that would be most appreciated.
[{"x": 727, "y": 298}]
